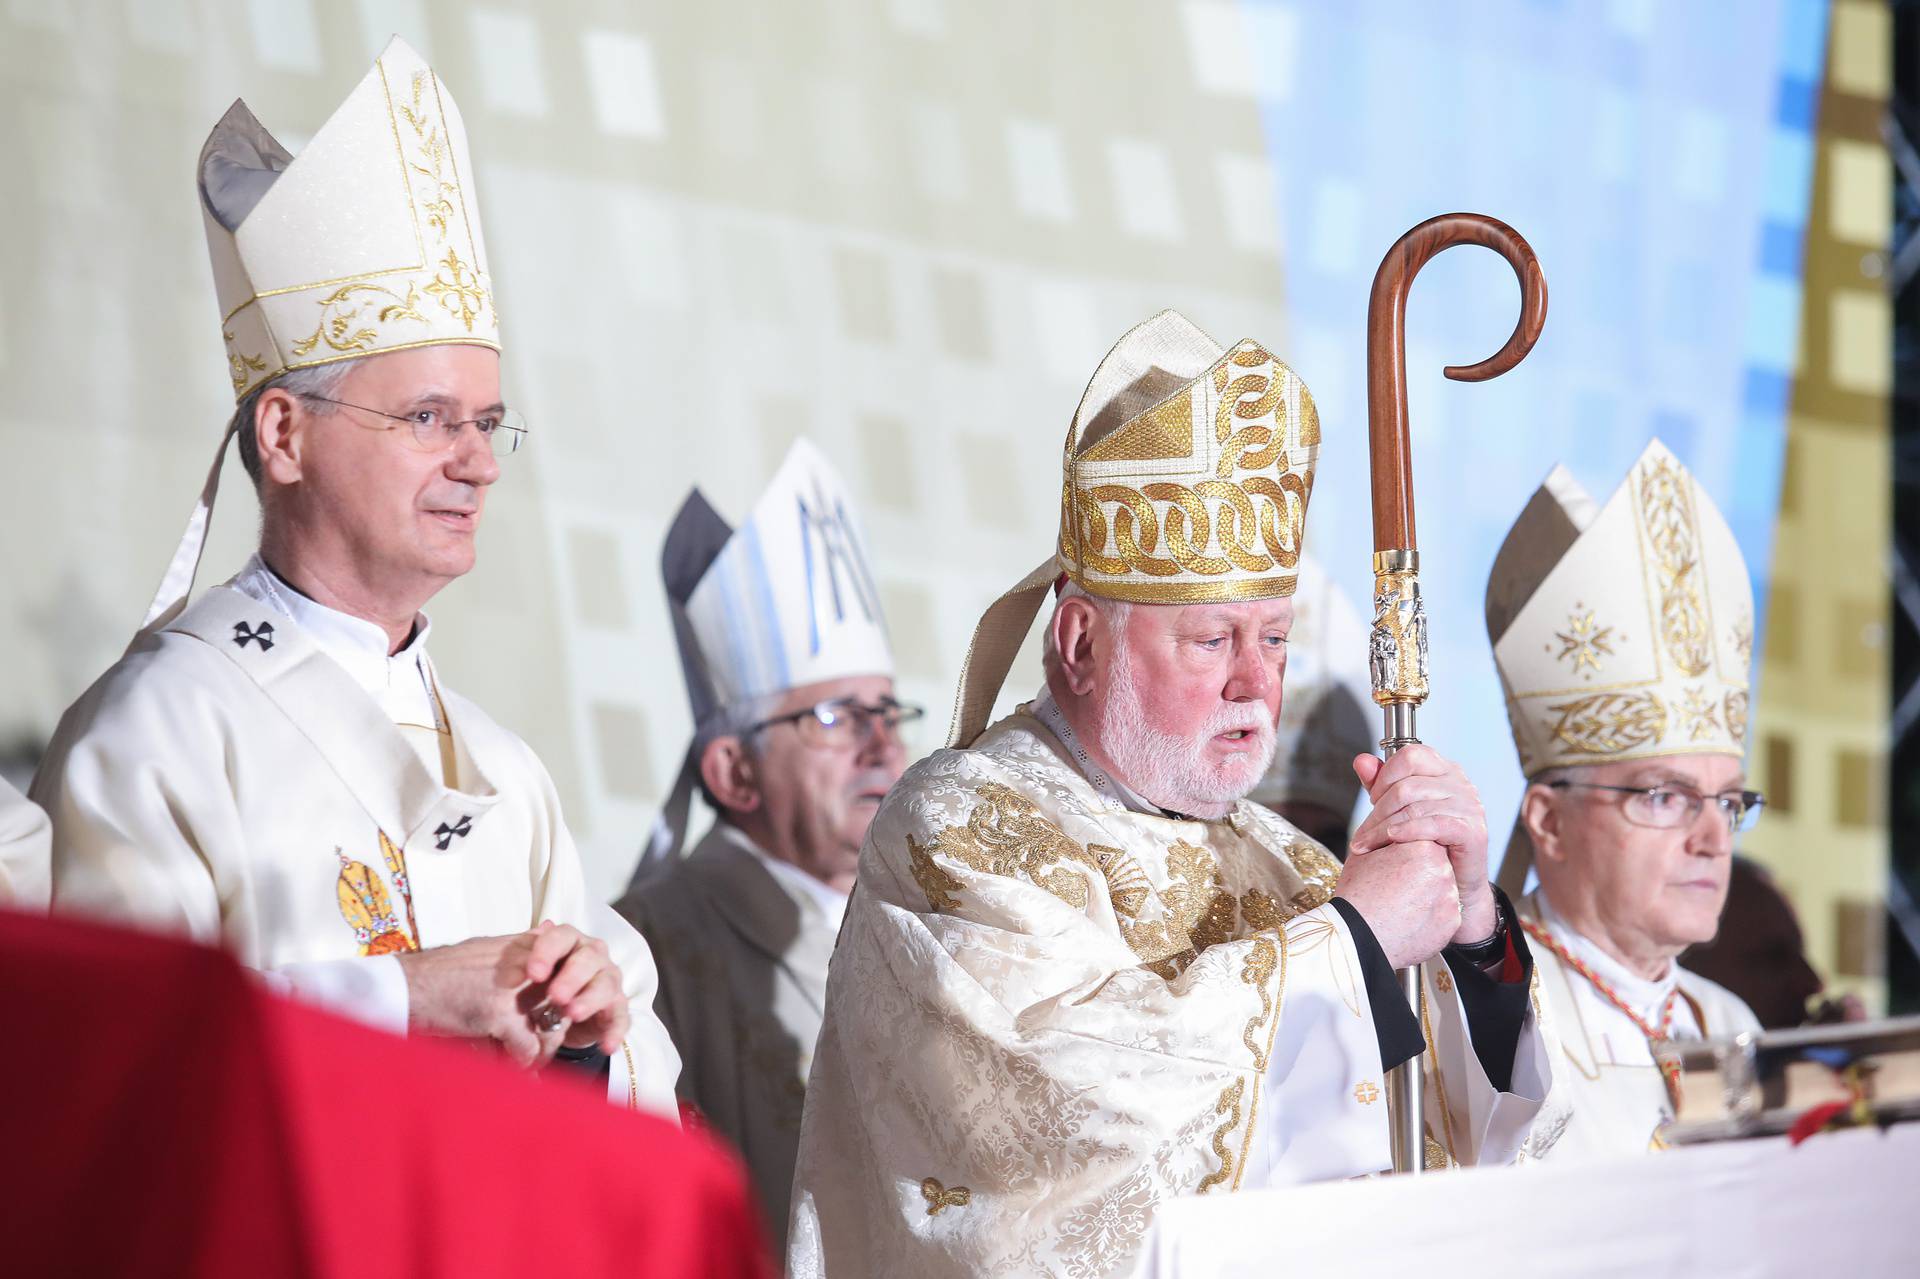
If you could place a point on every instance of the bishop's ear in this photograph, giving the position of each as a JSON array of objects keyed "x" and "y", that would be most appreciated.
[
  {"x": 1540, "y": 814},
  {"x": 730, "y": 774},
  {"x": 276, "y": 435},
  {"x": 1071, "y": 630}
]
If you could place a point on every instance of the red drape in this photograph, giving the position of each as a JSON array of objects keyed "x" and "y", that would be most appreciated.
[{"x": 160, "y": 1113}]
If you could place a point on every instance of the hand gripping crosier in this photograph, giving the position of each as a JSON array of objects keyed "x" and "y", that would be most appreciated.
[{"x": 1397, "y": 645}]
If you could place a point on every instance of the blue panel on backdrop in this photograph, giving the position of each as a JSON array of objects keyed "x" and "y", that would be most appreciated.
[{"x": 1657, "y": 157}]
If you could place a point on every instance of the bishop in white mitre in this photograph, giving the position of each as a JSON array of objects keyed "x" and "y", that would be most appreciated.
[
  {"x": 796, "y": 739},
  {"x": 1623, "y": 634},
  {"x": 277, "y": 765},
  {"x": 1080, "y": 973},
  {"x": 24, "y": 843}
]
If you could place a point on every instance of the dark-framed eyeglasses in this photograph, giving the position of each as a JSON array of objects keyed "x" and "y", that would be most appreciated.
[
  {"x": 434, "y": 431},
  {"x": 845, "y": 723},
  {"x": 1671, "y": 807}
]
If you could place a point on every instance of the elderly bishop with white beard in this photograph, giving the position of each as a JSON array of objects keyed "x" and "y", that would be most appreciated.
[{"x": 1081, "y": 973}]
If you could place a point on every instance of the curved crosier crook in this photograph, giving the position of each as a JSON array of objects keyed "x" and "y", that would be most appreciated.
[{"x": 1393, "y": 527}]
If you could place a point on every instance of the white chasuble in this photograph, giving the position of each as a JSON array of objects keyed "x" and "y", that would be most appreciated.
[
  {"x": 228, "y": 780},
  {"x": 1607, "y": 1075},
  {"x": 742, "y": 943},
  {"x": 1048, "y": 1012},
  {"x": 24, "y": 841}
]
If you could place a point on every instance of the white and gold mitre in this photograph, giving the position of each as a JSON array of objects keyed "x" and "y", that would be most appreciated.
[
  {"x": 1187, "y": 470},
  {"x": 368, "y": 241},
  {"x": 1187, "y": 473},
  {"x": 1623, "y": 632}
]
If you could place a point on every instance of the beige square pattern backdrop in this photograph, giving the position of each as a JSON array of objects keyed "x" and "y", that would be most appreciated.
[{"x": 714, "y": 227}]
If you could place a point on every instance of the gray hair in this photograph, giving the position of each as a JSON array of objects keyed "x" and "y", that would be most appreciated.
[
  {"x": 1115, "y": 613},
  {"x": 317, "y": 379},
  {"x": 734, "y": 720}
]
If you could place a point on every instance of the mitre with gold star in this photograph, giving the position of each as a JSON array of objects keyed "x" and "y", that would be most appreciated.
[
  {"x": 1623, "y": 631},
  {"x": 1187, "y": 470}
]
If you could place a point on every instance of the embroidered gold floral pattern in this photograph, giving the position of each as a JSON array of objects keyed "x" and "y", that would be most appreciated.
[
  {"x": 1366, "y": 1092},
  {"x": 242, "y": 368},
  {"x": 934, "y": 881},
  {"x": 1006, "y": 835},
  {"x": 347, "y": 315},
  {"x": 437, "y": 151},
  {"x": 1444, "y": 980},
  {"x": 1196, "y": 912},
  {"x": 1260, "y": 911},
  {"x": 1319, "y": 868},
  {"x": 1262, "y": 962},
  {"x": 939, "y": 1198},
  {"x": 459, "y": 289},
  {"x": 1228, "y": 1105},
  {"x": 1610, "y": 723},
  {"x": 1585, "y": 641},
  {"x": 1666, "y": 515}
]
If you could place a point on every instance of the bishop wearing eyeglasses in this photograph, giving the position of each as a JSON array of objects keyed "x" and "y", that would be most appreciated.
[
  {"x": 1623, "y": 634},
  {"x": 277, "y": 767},
  {"x": 796, "y": 741}
]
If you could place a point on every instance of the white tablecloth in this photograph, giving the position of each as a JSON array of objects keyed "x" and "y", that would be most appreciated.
[{"x": 1844, "y": 1204}]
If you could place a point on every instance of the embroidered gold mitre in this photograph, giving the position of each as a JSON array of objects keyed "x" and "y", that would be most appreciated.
[
  {"x": 1187, "y": 473},
  {"x": 1188, "y": 470},
  {"x": 368, "y": 241},
  {"x": 1623, "y": 632}
]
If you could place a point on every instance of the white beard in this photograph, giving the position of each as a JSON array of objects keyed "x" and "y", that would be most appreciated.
[{"x": 1173, "y": 771}]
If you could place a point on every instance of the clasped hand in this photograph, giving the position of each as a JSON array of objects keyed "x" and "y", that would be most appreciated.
[
  {"x": 1416, "y": 869},
  {"x": 498, "y": 988}
]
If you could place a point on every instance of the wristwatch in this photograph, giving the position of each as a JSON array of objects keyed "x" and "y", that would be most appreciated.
[{"x": 1482, "y": 953}]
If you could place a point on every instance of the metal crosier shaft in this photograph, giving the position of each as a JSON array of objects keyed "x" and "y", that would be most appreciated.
[
  {"x": 1397, "y": 658},
  {"x": 1397, "y": 644}
]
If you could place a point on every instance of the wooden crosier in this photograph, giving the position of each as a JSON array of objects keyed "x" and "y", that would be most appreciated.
[{"x": 1397, "y": 644}]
